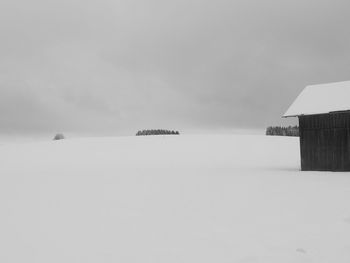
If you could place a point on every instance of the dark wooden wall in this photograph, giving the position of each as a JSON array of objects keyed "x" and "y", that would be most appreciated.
[{"x": 325, "y": 142}]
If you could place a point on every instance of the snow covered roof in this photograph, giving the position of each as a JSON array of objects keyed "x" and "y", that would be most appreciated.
[{"x": 322, "y": 98}]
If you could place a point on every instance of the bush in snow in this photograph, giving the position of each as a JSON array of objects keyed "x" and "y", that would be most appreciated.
[{"x": 59, "y": 136}]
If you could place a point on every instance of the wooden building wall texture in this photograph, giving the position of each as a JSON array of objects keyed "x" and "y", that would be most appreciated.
[{"x": 325, "y": 142}]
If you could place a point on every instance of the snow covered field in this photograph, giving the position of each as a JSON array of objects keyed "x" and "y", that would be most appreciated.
[{"x": 206, "y": 198}]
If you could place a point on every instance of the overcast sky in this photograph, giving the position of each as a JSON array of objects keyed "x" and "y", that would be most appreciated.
[{"x": 116, "y": 66}]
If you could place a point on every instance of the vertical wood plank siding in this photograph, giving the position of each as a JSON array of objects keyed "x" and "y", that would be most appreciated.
[{"x": 325, "y": 142}]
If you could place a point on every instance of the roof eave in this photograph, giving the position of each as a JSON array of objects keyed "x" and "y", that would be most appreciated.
[
  {"x": 289, "y": 116},
  {"x": 318, "y": 113}
]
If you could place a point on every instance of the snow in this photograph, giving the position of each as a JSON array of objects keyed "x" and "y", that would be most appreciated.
[
  {"x": 323, "y": 98},
  {"x": 207, "y": 198}
]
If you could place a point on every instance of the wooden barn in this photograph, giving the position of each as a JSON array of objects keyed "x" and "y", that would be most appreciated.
[{"x": 324, "y": 126}]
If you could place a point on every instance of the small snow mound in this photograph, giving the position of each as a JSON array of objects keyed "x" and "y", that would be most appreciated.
[{"x": 301, "y": 250}]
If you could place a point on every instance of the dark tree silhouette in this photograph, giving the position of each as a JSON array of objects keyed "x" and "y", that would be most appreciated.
[
  {"x": 282, "y": 131},
  {"x": 157, "y": 132}
]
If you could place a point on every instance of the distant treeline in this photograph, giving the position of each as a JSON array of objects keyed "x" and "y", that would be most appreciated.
[
  {"x": 283, "y": 131},
  {"x": 157, "y": 132}
]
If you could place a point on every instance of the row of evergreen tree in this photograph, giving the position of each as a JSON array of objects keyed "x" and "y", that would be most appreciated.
[
  {"x": 283, "y": 131},
  {"x": 157, "y": 132}
]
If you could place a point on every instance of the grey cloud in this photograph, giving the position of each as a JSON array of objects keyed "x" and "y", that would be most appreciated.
[{"x": 114, "y": 65}]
